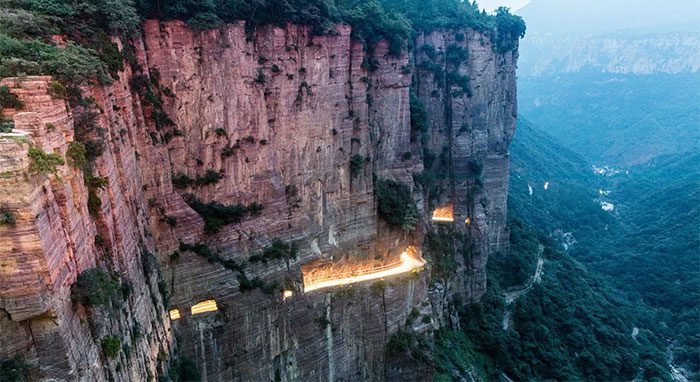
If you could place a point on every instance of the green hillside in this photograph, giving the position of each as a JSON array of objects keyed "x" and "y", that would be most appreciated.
[
  {"x": 615, "y": 119},
  {"x": 647, "y": 247},
  {"x": 571, "y": 326},
  {"x": 569, "y": 203}
]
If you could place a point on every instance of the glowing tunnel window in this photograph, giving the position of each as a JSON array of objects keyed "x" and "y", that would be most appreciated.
[
  {"x": 444, "y": 214},
  {"x": 174, "y": 314},
  {"x": 204, "y": 306},
  {"x": 287, "y": 294},
  {"x": 409, "y": 261}
]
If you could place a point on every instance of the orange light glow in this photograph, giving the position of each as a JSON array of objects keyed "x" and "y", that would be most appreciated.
[
  {"x": 287, "y": 294},
  {"x": 444, "y": 214},
  {"x": 467, "y": 221},
  {"x": 409, "y": 261},
  {"x": 174, "y": 314},
  {"x": 204, "y": 306}
]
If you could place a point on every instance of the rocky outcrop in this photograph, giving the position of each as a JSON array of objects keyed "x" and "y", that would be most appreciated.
[
  {"x": 303, "y": 125},
  {"x": 470, "y": 96},
  {"x": 53, "y": 239}
]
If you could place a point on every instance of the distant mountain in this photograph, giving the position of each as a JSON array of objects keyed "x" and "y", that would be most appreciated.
[
  {"x": 615, "y": 81},
  {"x": 629, "y": 52}
]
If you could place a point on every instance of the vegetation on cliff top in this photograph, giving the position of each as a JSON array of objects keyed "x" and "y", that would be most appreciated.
[
  {"x": 32, "y": 42},
  {"x": 394, "y": 20},
  {"x": 27, "y": 45}
]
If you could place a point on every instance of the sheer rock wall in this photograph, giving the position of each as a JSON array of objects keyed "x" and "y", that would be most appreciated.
[{"x": 280, "y": 114}]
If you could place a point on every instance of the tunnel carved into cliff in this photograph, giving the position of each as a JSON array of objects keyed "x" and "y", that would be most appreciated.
[{"x": 322, "y": 276}]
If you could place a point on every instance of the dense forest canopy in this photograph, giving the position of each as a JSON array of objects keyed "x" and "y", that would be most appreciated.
[
  {"x": 645, "y": 250},
  {"x": 28, "y": 27}
]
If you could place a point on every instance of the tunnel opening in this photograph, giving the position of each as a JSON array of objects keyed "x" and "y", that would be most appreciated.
[
  {"x": 322, "y": 277},
  {"x": 204, "y": 307},
  {"x": 444, "y": 214}
]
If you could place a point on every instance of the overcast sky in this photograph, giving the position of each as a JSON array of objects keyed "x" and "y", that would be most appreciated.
[{"x": 491, "y": 5}]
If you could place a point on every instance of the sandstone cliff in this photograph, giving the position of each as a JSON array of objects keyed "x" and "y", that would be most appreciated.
[
  {"x": 305, "y": 126},
  {"x": 54, "y": 238}
]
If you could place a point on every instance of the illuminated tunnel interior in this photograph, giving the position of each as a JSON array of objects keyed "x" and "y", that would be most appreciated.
[
  {"x": 407, "y": 262},
  {"x": 444, "y": 214}
]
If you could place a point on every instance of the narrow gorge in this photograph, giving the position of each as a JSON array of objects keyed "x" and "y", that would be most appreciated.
[{"x": 223, "y": 172}]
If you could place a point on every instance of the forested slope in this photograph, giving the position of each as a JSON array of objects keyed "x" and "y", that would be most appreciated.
[
  {"x": 615, "y": 119},
  {"x": 646, "y": 247}
]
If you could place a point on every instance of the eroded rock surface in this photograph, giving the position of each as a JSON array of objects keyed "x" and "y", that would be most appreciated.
[{"x": 280, "y": 115}]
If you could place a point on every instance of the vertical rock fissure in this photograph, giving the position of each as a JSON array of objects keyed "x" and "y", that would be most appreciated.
[{"x": 329, "y": 339}]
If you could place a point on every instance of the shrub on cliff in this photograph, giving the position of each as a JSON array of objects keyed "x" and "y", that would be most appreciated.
[
  {"x": 186, "y": 369},
  {"x": 395, "y": 204},
  {"x": 9, "y": 100},
  {"x": 356, "y": 164},
  {"x": 419, "y": 117},
  {"x": 76, "y": 154},
  {"x": 6, "y": 124},
  {"x": 408, "y": 343},
  {"x": 94, "y": 202},
  {"x": 181, "y": 180},
  {"x": 42, "y": 163},
  {"x": 95, "y": 287},
  {"x": 13, "y": 369},
  {"x": 442, "y": 247},
  {"x": 93, "y": 184},
  {"x": 7, "y": 217},
  {"x": 216, "y": 215},
  {"x": 111, "y": 346},
  {"x": 278, "y": 250}
]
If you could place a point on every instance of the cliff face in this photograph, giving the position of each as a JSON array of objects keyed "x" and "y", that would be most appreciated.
[
  {"x": 54, "y": 239},
  {"x": 470, "y": 96},
  {"x": 304, "y": 125}
]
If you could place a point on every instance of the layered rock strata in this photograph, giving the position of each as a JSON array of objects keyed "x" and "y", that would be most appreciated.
[
  {"x": 53, "y": 239},
  {"x": 303, "y": 125}
]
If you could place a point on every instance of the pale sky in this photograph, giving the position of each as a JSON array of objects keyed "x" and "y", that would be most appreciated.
[{"x": 491, "y": 5}]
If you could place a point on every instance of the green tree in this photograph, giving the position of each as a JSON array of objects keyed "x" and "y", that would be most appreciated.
[
  {"x": 395, "y": 204},
  {"x": 95, "y": 287},
  {"x": 42, "y": 163}
]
